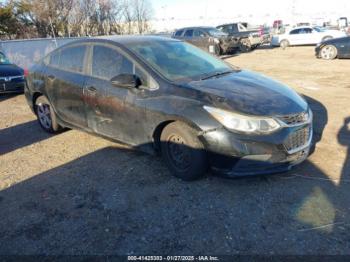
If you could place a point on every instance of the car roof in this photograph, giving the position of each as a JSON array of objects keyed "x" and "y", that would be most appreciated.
[
  {"x": 128, "y": 39},
  {"x": 125, "y": 39},
  {"x": 196, "y": 27},
  {"x": 300, "y": 27}
]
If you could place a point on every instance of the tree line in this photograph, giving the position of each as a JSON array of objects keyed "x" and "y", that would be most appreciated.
[{"x": 73, "y": 18}]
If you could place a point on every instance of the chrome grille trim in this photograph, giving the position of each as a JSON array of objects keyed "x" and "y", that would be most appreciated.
[
  {"x": 298, "y": 140},
  {"x": 295, "y": 119},
  {"x": 10, "y": 78}
]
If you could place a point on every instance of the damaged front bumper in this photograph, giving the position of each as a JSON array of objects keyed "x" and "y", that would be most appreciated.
[{"x": 234, "y": 154}]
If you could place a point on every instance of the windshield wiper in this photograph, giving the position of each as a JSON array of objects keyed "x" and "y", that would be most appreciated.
[{"x": 217, "y": 74}]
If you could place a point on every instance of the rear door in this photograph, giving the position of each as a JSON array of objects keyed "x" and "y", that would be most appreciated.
[
  {"x": 294, "y": 37},
  {"x": 64, "y": 83}
]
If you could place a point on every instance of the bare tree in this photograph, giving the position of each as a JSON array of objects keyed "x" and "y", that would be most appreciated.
[{"x": 143, "y": 13}]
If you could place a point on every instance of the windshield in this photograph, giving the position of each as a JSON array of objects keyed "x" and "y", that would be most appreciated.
[
  {"x": 177, "y": 61},
  {"x": 319, "y": 29},
  {"x": 216, "y": 32},
  {"x": 3, "y": 59}
]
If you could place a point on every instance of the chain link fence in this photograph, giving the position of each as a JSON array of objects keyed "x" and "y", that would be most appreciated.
[{"x": 25, "y": 53}]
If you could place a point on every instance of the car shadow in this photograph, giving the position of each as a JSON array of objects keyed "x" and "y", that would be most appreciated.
[
  {"x": 320, "y": 120},
  {"x": 119, "y": 201},
  {"x": 4, "y": 97},
  {"x": 21, "y": 135}
]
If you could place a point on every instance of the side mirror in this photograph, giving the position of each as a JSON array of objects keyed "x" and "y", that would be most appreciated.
[{"x": 126, "y": 80}]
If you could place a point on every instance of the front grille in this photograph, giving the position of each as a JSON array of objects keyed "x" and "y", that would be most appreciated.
[
  {"x": 295, "y": 119},
  {"x": 297, "y": 139},
  {"x": 5, "y": 79}
]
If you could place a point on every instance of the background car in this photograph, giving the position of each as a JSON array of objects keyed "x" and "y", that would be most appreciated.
[
  {"x": 12, "y": 77},
  {"x": 305, "y": 35},
  {"x": 334, "y": 48},
  {"x": 209, "y": 39}
]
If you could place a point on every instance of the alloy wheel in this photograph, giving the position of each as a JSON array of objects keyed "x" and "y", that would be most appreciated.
[
  {"x": 44, "y": 115},
  {"x": 328, "y": 52}
]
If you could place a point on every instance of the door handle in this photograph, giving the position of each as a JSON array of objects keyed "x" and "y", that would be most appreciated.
[{"x": 92, "y": 89}]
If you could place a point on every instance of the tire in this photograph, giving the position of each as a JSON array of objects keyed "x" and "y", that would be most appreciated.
[
  {"x": 327, "y": 38},
  {"x": 183, "y": 152},
  {"x": 218, "y": 51},
  {"x": 46, "y": 116},
  {"x": 245, "y": 45},
  {"x": 329, "y": 52},
  {"x": 284, "y": 44}
]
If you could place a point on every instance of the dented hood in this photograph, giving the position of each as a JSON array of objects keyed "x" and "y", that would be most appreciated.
[{"x": 249, "y": 93}]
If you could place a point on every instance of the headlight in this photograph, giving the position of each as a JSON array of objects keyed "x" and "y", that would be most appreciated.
[{"x": 242, "y": 123}]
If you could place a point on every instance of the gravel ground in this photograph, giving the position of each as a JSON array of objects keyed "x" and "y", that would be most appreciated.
[{"x": 74, "y": 193}]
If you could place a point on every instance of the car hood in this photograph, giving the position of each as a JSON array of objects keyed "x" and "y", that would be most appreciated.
[
  {"x": 336, "y": 40},
  {"x": 10, "y": 70},
  {"x": 249, "y": 93}
]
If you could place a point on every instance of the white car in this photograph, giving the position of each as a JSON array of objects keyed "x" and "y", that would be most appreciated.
[{"x": 305, "y": 35}]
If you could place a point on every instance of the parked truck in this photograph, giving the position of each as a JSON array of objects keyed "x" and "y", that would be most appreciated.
[{"x": 248, "y": 39}]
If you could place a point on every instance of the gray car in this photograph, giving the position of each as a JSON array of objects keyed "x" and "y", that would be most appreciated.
[{"x": 209, "y": 39}]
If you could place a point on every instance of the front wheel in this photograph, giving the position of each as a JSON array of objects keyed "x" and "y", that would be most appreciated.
[
  {"x": 183, "y": 151},
  {"x": 46, "y": 116},
  {"x": 245, "y": 45},
  {"x": 329, "y": 52}
]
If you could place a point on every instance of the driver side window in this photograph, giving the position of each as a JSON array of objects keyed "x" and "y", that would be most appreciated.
[{"x": 107, "y": 63}]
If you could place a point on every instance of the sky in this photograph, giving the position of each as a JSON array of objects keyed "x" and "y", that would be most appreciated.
[{"x": 178, "y": 13}]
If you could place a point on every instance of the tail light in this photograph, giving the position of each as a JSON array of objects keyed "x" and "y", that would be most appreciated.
[{"x": 25, "y": 72}]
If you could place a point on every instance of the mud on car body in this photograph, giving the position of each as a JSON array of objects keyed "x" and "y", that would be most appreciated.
[{"x": 161, "y": 94}]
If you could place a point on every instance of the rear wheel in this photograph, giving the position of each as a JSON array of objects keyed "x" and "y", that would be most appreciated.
[
  {"x": 329, "y": 52},
  {"x": 183, "y": 151},
  {"x": 284, "y": 44},
  {"x": 46, "y": 116}
]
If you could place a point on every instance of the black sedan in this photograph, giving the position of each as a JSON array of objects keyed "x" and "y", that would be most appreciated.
[
  {"x": 12, "y": 77},
  {"x": 164, "y": 95},
  {"x": 334, "y": 48}
]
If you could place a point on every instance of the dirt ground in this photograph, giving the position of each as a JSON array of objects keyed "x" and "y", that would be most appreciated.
[{"x": 74, "y": 193}]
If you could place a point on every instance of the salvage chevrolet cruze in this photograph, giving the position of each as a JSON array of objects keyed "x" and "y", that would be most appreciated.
[{"x": 170, "y": 97}]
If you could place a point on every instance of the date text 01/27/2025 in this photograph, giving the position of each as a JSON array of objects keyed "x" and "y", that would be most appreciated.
[{"x": 173, "y": 258}]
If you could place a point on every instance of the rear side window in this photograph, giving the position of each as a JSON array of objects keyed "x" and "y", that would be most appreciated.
[
  {"x": 295, "y": 32},
  {"x": 108, "y": 63},
  {"x": 72, "y": 58},
  {"x": 189, "y": 33},
  {"x": 179, "y": 33}
]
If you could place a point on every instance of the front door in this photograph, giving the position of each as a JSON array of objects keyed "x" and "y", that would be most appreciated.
[{"x": 113, "y": 111}]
